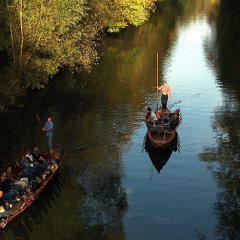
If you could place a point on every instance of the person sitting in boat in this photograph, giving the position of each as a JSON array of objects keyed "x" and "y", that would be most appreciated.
[
  {"x": 29, "y": 168},
  {"x": 153, "y": 114},
  {"x": 36, "y": 184},
  {"x": 57, "y": 158},
  {"x": 19, "y": 172},
  {"x": 151, "y": 124},
  {"x": 149, "y": 119},
  {"x": 38, "y": 167},
  {"x": 23, "y": 182},
  {"x": 29, "y": 157},
  {"x": 37, "y": 156},
  {"x": 2, "y": 202},
  {"x": 40, "y": 158},
  {"x": 164, "y": 117},
  {"x": 174, "y": 118},
  {"x": 53, "y": 156},
  {"x": 6, "y": 198},
  {"x": 9, "y": 192},
  {"x": 166, "y": 124}
]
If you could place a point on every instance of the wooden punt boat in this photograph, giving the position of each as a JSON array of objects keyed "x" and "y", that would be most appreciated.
[
  {"x": 160, "y": 137},
  {"x": 160, "y": 156},
  {"x": 25, "y": 202}
]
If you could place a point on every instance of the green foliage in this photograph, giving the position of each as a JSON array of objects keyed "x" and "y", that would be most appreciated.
[
  {"x": 48, "y": 35},
  {"x": 125, "y": 12}
]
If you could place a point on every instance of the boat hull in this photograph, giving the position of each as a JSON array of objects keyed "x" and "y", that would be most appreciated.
[{"x": 161, "y": 140}]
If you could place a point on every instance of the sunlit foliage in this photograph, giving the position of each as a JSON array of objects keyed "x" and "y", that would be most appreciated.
[
  {"x": 45, "y": 36},
  {"x": 126, "y": 12},
  {"x": 38, "y": 38}
]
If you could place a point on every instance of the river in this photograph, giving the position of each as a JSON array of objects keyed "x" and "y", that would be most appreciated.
[{"x": 108, "y": 186}]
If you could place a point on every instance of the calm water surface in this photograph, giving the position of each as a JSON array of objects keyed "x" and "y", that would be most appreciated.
[{"x": 113, "y": 185}]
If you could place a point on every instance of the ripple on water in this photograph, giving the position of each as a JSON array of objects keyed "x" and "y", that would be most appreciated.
[{"x": 161, "y": 220}]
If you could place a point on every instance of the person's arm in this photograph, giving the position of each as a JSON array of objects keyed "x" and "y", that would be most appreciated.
[{"x": 47, "y": 127}]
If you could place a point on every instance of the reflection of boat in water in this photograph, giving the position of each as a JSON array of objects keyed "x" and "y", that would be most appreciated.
[
  {"x": 164, "y": 132},
  {"x": 160, "y": 156}
]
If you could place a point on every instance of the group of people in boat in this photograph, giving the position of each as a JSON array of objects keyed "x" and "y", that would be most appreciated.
[
  {"x": 161, "y": 120},
  {"x": 26, "y": 175}
]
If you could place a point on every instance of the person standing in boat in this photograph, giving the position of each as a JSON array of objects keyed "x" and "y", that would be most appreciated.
[
  {"x": 165, "y": 92},
  {"x": 48, "y": 128}
]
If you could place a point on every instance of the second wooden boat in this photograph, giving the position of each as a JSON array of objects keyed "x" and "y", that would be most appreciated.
[{"x": 29, "y": 198}]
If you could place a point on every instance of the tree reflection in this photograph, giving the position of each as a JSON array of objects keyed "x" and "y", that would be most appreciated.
[{"x": 223, "y": 55}]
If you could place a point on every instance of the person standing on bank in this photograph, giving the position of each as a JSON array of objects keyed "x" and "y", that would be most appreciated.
[
  {"x": 165, "y": 92},
  {"x": 48, "y": 128}
]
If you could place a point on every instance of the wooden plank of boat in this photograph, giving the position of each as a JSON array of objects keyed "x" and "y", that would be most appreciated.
[
  {"x": 158, "y": 140},
  {"x": 23, "y": 204}
]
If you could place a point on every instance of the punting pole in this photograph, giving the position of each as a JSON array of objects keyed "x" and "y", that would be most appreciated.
[{"x": 157, "y": 80}]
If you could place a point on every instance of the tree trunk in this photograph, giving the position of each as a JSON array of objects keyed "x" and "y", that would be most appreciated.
[{"x": 12, "y": 42}]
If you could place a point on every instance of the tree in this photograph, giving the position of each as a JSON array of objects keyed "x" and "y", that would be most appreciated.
[
  {"x": 46, "y": 36},
  {"x": 118, "y": 14},
  {"x": 40, "y": 37}
]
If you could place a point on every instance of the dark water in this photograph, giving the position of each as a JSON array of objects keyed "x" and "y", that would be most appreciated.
[{"x": 113, "y": 185}]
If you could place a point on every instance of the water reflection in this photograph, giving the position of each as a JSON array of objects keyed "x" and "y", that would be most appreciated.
[
  {"x": 160, "y": 156},
  {"x": 223, "y": 52}
]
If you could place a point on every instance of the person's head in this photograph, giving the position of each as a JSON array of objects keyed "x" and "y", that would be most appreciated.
[
  {"x": 149, "y": 109},
  {"x": 1, "y": 193},
  {"x": 38, "y": 180},
  {"x": 35, "y": 149},
  {"x": 49, "y": 119},
  {"x": 57, "y": 155},
  {"x": 28, "y": 151},
  {"x": 165, "y": 83},
  {"x": 51, "y": 151},
  {"x": 9, "y": 169}
]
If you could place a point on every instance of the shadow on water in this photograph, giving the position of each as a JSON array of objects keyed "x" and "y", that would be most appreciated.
[{"x": 160, "y": 156}]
